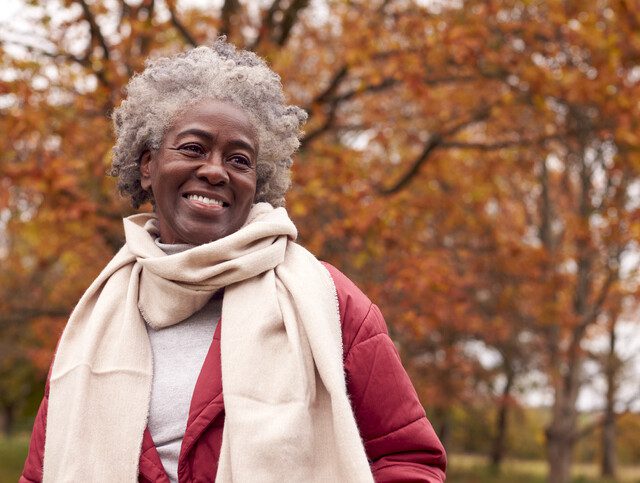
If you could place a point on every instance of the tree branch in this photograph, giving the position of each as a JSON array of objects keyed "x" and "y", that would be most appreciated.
[
  {"x": 435, "y": 141},
  {"x": 178, "y": 25},
  {"x": 52, "y": 55},
  {"x": 82, "y": 61},
  {"x": 289, "y": 19},
  {"x": 591, "y": 316},
  {"x": 125, "y": 10},
  {"x": 324, "y": 127},
  {"x": 433, "y": 81},
  {"x": 333, "y": 85},
  {"x": 267, "y": 26},
  {"x": 229, "y": 8},
  {"x": 630, "y": 14},
  {"x": 498, "y": 145},
  {"x": 432, "y": 143},
  {"x": 326, "y": 96},
  {"x": 145, "y": 40},
  {"x": 384, "y": 84},
  {"x": 96, "y": 33},
  {"x": 334, "y": 101}
]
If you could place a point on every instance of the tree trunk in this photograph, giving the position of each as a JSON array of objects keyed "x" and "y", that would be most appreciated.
[
  {"x": 444, "y": 429},
  {"x": 609, "y": 446},
  {"x": 498, "y": 447},
  {"x": 7, "y": 419},
  {"x": 559, "y": 457},
  {"x": 609, "y": 424},
  {"x": 559, "y": 432},
  {"x": 562, "y": 430}
]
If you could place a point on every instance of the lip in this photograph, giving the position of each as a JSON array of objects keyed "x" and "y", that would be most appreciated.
[
  {"x": 207, "y": 194},
  {"x": 203, "y": 208},
  {"x": 200, "y": 209}
]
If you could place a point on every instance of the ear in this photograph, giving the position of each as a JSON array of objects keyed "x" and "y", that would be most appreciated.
[{"x": 145, "y": 170}]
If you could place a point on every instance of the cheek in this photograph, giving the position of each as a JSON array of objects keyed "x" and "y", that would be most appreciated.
[
  {"x": 168, "y": 176},
  {"x": 249, "y": 188}
]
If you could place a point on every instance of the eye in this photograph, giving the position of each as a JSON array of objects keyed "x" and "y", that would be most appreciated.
[
  {"x": 240, "y": 160},
  {"x": 192, "y": 149}
]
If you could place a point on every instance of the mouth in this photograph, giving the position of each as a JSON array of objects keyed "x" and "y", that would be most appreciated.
[{"x": 205, "y": 200}]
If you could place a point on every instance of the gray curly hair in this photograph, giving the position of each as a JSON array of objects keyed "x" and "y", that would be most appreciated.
[{"x": 170, "y": 84}]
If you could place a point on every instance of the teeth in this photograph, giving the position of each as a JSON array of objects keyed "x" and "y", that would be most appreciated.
[{"x": 206, "y": 201}]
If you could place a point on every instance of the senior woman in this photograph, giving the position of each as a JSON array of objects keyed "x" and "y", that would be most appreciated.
[{"x": 212, "y": 347}]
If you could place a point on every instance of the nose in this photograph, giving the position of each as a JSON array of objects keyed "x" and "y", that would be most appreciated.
[{"x": 213, "y": 170}]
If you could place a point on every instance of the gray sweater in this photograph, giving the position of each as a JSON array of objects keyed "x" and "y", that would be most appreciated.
[{"x": 178, "y": 354}]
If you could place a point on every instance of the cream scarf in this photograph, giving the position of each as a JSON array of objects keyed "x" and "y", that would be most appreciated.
[{"x": 288, "y": 417}]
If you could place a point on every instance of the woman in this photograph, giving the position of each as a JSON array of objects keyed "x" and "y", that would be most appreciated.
[{"x": 210, "y": 292}]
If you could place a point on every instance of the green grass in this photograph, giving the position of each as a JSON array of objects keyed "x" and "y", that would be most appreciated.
[
  {"x": 474, "y": 469},
  {"x": 462, "y": 468},
  {"x": 13, "y": 451}
]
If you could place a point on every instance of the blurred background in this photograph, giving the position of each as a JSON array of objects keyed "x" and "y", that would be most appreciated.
[{"x": 473, "y": 165}]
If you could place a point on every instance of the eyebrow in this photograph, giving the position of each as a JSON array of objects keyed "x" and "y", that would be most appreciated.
[
  {"x": 241, "y": 143},
  {"x": 196, "y": 132}
]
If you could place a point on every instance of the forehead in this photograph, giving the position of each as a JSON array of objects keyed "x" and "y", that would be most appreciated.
[{"x": 214, "y": 115}]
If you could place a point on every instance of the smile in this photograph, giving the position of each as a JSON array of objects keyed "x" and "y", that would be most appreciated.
[{"x": 205, "y": 200}]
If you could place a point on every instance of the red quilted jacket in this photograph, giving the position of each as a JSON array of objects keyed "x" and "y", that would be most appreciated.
[{"x": 400, "y": 443}]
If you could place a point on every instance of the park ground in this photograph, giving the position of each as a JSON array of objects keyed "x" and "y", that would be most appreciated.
[{"x": 462, "y": 468}]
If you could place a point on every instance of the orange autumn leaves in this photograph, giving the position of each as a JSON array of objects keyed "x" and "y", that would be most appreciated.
[{"x": 472, "y": 167}]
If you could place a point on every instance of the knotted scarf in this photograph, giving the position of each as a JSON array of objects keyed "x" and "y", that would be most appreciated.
[{"x": 287, "y": 413}]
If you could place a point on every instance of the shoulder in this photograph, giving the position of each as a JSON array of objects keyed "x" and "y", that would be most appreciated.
[{"x": 360, "y": 318}]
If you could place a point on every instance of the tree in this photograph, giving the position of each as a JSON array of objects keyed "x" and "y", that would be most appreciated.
[{"x": 471, "y": 165}]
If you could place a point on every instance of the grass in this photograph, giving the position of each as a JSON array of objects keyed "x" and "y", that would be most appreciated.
[
  {"x": 13, "y": 451},
  {"x": 462, "y": 468},
  {"x": 474, "y": 469}
]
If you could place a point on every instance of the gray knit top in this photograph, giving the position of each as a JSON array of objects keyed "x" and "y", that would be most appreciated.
[{"x": 178, "y": 354}]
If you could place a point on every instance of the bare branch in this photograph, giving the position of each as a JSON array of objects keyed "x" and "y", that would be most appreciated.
[
  {"x": 596, "y": 307},
  {"x": 83, "y": 61},
  {"x": 178, "y": 25},
  {"x": 334, "y": 101},
  {"x": 96, "y": 33},
  {"x": 383, "y": 6},
  {"x": 96, "y": 37},
  {"x": 151, "y": 5},
  {"x": 390, "y": 81},
  {"x": 46, "y": 53},
  {"x": 430, "y": 81},
  {"x": 326, "y": 96},
  {"x": 338, "y": 77},
  {"x": 384, "y": 84},
  {"x": 630, "y": 14},
  {"x": 229, "y": 8},
  {"x": 279, "y": 31},
  {"x": 268, "y": 23},
  {"x": 432, "y": 143},
  {"x": 630, "y": 402},
  {"x": 324, "y": 127},
  {"x": 435, "y": 141},
  {"x": 498, "y": 145},
  {"x": 290, "y": 18},
  {"x": 125, "y": 11},
  {"x": 145, "y": 40}
]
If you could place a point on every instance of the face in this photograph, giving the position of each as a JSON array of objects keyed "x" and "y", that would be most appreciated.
[{"x": 203, "y": 177}]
